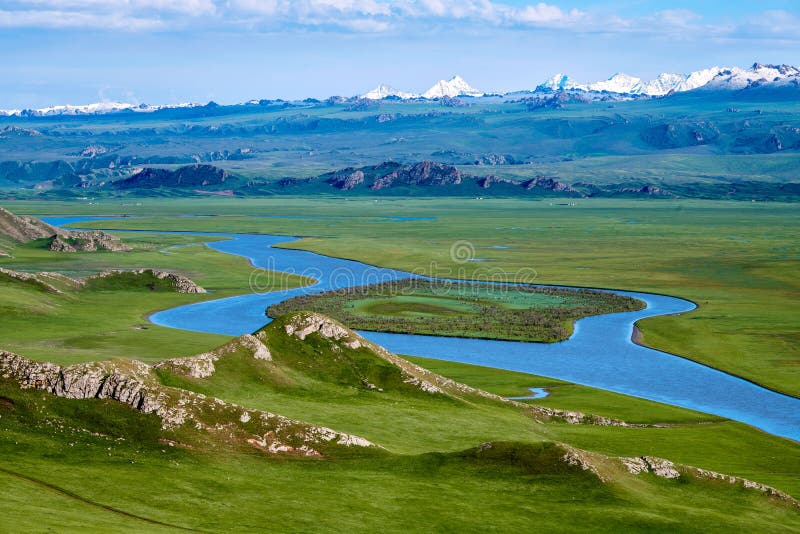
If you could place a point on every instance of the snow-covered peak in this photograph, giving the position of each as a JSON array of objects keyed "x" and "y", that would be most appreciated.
[
  {"x": 560, "y": 82},
  {"x": 665, "y": 83},
  {"x": 618, "y": 83},
  {"x": 384, "y": 91},
  {"x": 736, "y": 78},
  {"x": 455, "y": 86},
  {"x": 698, "y": 78},
  {"x": 97, "y": 108}
]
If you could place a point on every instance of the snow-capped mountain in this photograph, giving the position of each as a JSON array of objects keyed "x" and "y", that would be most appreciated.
[
  {"x": 666, "y": 83},
  {"x": 560, "y": 82},
  {"x": 698, "y": 78},
  {"x": 97, "y": 108},
  {"x": 622, "y": 85},
  {"x": 618, "y": 83},
  {"x": 455, "y": 86},
  {"x": 736, "y": 78},
  {"x": 385, "y": 91}
]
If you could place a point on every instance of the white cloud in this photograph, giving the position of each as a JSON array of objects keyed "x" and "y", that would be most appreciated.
[
  {"x": 100, "y": 7},
  {"x": 376, "y": 16},
  {"x": 69, "y": 19}
]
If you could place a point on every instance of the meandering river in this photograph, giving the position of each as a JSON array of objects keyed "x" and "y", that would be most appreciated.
[{"x": 600, "y": 352}]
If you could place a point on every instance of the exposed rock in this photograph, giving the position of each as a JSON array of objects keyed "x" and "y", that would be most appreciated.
[
  {"x": 202, "y": 365},
  {"x": 24, "y": 229},
  {"x": 16, "y": 131},
  {"x": 650, "y": 464},
  {"x": 494, "y": 159},
  {"x": 304, "y": 324},
  {"x": 582, "y": 459},
  {"x": 451, "y": 102},
  {"x": 749, "y": 484},
  {"x": 346, "y": 179},
  {"x": 636, "y": 465},
  {"x": 134, "y": 383},
  {"x": 558, "y": 100},
  {"x": 667, "y": 469},
  {"x": 490, "y": 179},
  {"x": 179, "y": 282},
  {"x": 29, "y": 278},
  {"x": 189, "y": 176},
  {"x": 428, "y": 173},
  {"x": 661, "y": 467},
  {"x": 549, "y": 184},
  {"x": 87, "y": 241},
  {"x": 93, "y": 151}
]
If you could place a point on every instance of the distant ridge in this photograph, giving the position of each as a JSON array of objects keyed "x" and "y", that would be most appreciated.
[{"x": 620, "y": 85}]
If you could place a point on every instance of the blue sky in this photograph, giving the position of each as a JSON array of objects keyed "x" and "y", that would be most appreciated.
[{"x": 169, "y": 51}]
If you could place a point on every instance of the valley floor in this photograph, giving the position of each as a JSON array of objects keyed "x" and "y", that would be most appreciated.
[{"x": 69, "y": 463}]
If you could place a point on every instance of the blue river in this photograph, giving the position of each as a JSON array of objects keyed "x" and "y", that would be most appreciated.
[{"x": 600, "y": 352}]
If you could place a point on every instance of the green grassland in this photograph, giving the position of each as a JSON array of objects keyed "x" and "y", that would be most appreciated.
[
  {"x": 460, "y": 310},
  {"x": 100, "y": 463},
  {"x": 737, "y": 261},
  {"x": 51, "y": 447},
  {"x": 100, "y": 322}
]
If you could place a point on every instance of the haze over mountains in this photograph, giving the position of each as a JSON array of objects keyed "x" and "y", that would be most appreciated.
[{"x": 619, "y": 85}]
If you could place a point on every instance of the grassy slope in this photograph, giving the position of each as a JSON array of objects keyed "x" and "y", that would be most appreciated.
[
  {"x": 55, "y": 441},
  {"x": 690, "y": 437},
  {"x": 738, "y": 261},
  {"x": 90, "y": 325}
]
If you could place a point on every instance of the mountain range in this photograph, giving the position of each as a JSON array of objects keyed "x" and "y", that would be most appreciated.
[
  {"x": 732, "y": 78},
  {"x": 619, "y": 85}
]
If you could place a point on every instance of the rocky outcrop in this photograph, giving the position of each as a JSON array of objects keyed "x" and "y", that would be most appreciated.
[
  {"x": 494, "y": 159},
  {"x": 92, "y": 151},
  {"x": 424, "y": 173},
  {"x": 31, "y": 279},
  {"x": 650, "y": 464},
  {"x": 663, "y": 468},
  {"x": 559, "y": 100},
  {"x": 490, "y": 179},
  {"x": 180, "y": 283},
  {"x": 303, "y": 324},
  {"x": 87, "y": 241},
  {"x": 346, "y": 179},
  {"x": 135, "y": 384},
  {"x": 202, "y": 365},
  {"x": 189, "y": 176},
  {"x": 24, "y": 229},
  {"x": 16, "y": 131},
  {"x": 548, "y": 184}
]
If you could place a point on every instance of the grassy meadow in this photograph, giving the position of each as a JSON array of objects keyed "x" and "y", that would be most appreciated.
[
  {"x": 67, "y": 463},
  {"x": 487, "y": 311},
  {"x": 88, "y": 325},
  {"x": 736, "y": 260}
]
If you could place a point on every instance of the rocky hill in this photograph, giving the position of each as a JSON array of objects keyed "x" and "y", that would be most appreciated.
[
  {"x": 190, "y": 176},
  {"x": 25, "y": 229}
]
